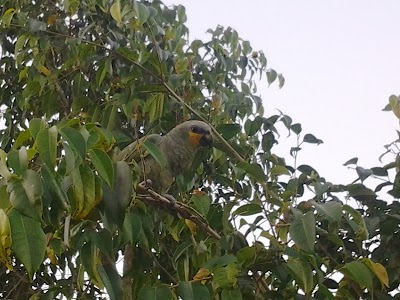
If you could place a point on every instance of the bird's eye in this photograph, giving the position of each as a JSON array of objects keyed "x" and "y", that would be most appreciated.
[{"x": 194, "y": 129}]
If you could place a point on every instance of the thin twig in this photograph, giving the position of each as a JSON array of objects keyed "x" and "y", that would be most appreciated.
[{"x": 183, "y": 210}]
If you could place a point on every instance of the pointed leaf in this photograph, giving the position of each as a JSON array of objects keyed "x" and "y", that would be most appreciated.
[
  {"x": 302, "y": 273},
  {"x": 309, "y": 138},
  {"x": 26, "y": 193},
  {"x": 332, "y": 210},
  {"x": 28, "y": 241},
  {"x": 157, "y": 293},
  {"x": 231, "y": 295},
  {"x": 193, "y": 291},
  {"x": 379, "y": 270},
  {"x": 352, "y": 161},
  {"x": 253, "y": 170},
  {"x": 111, "y": 280},
  {"x": 248, "y": 209},
  {"x": 18, "y": 160},
  {"x": 360, "y": 273},
  {"x": 302, "y": 231},
  {"x": 117, "y": 199},
  {"x": 103, "y": 164},
  {"x": 53, "y": 181},
  {"x": 74, "y": 139},
  {"x": 155, "y": 153},
  {"x": 115, "y": 11},
  {"x": 363, "y": 173},
  {"x": 202, "y": 202},
  {"x": 47, "y": 145}
]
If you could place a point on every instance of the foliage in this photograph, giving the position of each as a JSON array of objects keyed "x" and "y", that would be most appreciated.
[{"x": 80, "y": 79}]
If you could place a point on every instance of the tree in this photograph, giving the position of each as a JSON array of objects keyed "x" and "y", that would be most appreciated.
[{"x": 80, "y": 79}]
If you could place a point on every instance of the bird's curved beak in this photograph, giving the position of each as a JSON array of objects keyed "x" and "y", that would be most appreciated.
[{"x": 206, "y": 140}]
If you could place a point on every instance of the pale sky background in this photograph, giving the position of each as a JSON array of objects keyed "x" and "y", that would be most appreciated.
[{"x": 341, "y": 62}]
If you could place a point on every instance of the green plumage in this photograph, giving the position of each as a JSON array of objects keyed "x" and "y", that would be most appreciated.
[{"x": 178, "y": 147}]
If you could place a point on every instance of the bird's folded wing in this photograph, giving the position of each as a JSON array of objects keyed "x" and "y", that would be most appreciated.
[{"x": 133, "y": 151}]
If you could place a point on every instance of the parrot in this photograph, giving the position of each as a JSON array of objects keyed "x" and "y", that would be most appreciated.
[{"x": 178, "y": 147}]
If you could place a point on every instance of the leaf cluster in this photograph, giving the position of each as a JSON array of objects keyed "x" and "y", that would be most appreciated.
[{"x": 80, "y": 79}]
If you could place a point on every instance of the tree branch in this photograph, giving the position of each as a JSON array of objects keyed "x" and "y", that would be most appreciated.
[{"x": 183, "y": 210}]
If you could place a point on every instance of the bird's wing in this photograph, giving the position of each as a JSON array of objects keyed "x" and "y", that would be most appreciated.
[{"x": 135, "y": 149}]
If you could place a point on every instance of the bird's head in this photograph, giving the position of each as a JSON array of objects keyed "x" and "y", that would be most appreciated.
[{"x": 198, "y": 133}]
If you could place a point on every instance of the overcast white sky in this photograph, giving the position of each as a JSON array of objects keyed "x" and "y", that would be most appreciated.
[{"x": 341, "y": 61}]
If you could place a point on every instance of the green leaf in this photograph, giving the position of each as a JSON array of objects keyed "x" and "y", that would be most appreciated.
[
  {"x": 361, "y": 230},
  {"x": 296, "y": 128},
  {"x": 36, "y": 25},
  {"x": 133, "y": 230},
  {"x": 202, "y": 202},
  {"x": 142, "y": 12},
  {"x": 302, "y": 273},
  {"x": 302, "y": 231},
  {"x": 181, "y": 249},
  {"x": 47, "y": 145},
  {"x": 309, "y": 138},
  {"x": 220, "y": 261},
  {"x": 110, "y": 118},
  {"x": 115, "y": 11},
  {"x": 247, "y": 256},
  {"x": 360, "y": 273},
  {"x": 90, "y": 259},
  {"x": 394, "y": 103},
  {"x": 4, "y": 171},
  {"x": 361, "y": 193},
  {"x": 252, "y": 127},
  {"x": 112, "y": 281},
  {"x": 181, "y": 12},
  {"x": 253, "y": 170},
  {"x": 377, "y": 171},
  {"x": 193, "y": 291},
  {"x": 378, "y": 270},
  {"x": 155, "y": 153},
  {"x": 6, "y": 18},
  {"x": 246, "y": 48},
  {"x": 228, "y": 131},
  {"x": 181, "y": 65},
  {"x": 281, "y": 80},
  {"x": 226, "y": 277},
  {"x": 75, "y": 139},
  {"x": 308, "y": 170},
  {"x": 53, "y": 181},
  {"x": 4, "y": 198},
  {"x": 248, "y": 209},
  {"x": 332, "y": 210},
  {"x": 231, "y": 295},
  {"x": 279, "y": 170},
  {"x": 154, "y": 106},
  {"x": 28, "y": 241},
  {"x": 22, "y": 139},
  {"x": 18, "y": 160},
  {"x": 352, "y": 161},
  {"x": 271, "y": 76},
  {"x": 84, "y": 192},
  {"x": 102, "y": 71},
  {"x": 127, "y": 53},
  {"x": 26, "y": 193},
  {"x": 117, "y": 199},
  {"x": 103, "y": 164},
  {"x": 363, "y": 173},
  {"x": 157, "y": 292},
  {"x": 36, "y": 125}
]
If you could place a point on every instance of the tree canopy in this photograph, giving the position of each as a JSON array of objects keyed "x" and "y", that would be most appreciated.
[{"x": 80, "y": 80}]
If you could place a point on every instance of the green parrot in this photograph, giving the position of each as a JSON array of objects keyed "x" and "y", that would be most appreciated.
[{"x": 178, "y": 147}]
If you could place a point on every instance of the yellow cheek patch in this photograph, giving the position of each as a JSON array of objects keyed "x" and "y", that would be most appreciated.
[{"x": 194, "y": 138}]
